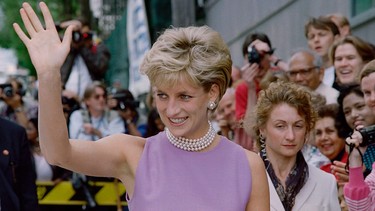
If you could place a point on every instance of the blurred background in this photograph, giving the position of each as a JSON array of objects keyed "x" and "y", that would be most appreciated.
[{"x": 282, "y": 20}]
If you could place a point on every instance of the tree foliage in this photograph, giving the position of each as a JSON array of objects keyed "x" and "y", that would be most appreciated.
[{"x": 61, "y": 10}]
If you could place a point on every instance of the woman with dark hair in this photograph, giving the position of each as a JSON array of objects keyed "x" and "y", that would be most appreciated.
[
  {"x": 360, "y": 192},
  {"x": 329, "y": 136},
  {"x": 353, "y": 112},
  {"x": 154, "y": 123}
]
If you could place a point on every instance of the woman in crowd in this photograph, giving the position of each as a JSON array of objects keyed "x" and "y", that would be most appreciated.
[
  {"x": 154, "y": 124},
  {"x": 360, "y": 193},
  {"x": 187, "y": 167},
  {"x": 348, "y": 56},
  {"x": 329, "y": 136},
  {"x": 283, "y": 118},
  {"x": 354, "y": 111}
]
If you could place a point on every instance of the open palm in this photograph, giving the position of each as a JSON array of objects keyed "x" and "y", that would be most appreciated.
[{"x": 47, "y": 51}]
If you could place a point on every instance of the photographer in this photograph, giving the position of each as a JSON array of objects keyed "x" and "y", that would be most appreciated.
[
  {"x": 360, "y": 192},
  {"x": 16, "y": 107},
  {"x": 123, "y": 101},
  {"x": 259, "y": 59},
  {"x": 87, "y": 60}
]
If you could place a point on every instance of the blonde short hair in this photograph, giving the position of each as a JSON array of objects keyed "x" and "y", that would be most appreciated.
[{"x": 197, "y": 54}]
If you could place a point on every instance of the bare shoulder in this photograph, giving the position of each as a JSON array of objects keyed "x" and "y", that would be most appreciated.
[
  {"x": 254, "y": 160},
  {"x": 125, "y": 151},
  {"x": 130, "y": 145}
]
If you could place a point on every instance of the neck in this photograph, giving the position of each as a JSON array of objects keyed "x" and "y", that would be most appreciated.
[
  {"x": 95, "y": 113},
  {"x": 326, "y": 62},
  {"x": 281, "y": 165}
]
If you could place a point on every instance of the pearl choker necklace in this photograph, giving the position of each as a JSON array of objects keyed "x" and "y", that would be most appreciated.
[{"x": 192, "y": 145}]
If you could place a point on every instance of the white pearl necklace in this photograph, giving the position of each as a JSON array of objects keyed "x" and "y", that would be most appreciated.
[{"x": 192, "y": 145}]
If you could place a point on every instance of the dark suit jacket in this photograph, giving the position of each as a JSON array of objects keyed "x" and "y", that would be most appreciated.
[{"x": 17, "y": 174}]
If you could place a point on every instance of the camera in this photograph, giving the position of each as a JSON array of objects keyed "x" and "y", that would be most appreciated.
[
  {"x": 78, "y": 36},
  {"x": 125, "y": 101},
  {"x": 368, "y": 135},
  {"x": 253, "y": 55},
  {"x": 7, "y": 89}
]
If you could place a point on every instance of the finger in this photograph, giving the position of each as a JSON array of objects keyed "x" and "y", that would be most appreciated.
[
  {"x": 339, "y": 163},
  {"x": 343, "y": 177},
  {"x": 68, "y": 35},
  {"x": 245, "y": 67},
  {"x": 33, "y": 17},
  {"x": 21, "y": 34},
  {"x": 47, "y": 16},
  {"x": 26, "y": 22},
  {"x": 339, "y": 170}
]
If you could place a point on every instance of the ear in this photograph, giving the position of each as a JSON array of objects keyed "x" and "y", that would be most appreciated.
[
  {"x": 262, "y": 132},
  {"x": 214, "y": 93},
  {"x": 336, "y": 37}
]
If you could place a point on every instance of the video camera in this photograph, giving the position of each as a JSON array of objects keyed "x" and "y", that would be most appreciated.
[
  {"x": 368, "y": 135},
  {"x": 7, "y": 89}
]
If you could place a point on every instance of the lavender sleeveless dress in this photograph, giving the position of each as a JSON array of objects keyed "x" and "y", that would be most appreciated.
[{"x": 168, "y": 178}]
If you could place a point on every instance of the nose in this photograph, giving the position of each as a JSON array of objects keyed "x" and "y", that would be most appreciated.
[
  {"x": 343, "y": 62},
  {"x": 299, "y": 76},
  {"x": 372, "y": 96},
  {"x": 290, "y": 134},
  {"x": 316, "y": 39},
  {"x": 172, "y": 107},
  {"x": 354, "y": 114}
]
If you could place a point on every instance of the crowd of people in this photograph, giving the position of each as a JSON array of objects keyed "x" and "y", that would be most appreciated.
[{"x": 269, "y": 135}]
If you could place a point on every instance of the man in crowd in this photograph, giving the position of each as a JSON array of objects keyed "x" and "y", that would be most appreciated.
[
  {"x": 305, "y": 68},
  {"x": 17, "y": 175}
]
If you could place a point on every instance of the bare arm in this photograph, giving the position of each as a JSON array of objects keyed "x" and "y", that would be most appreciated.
[
  {"x": 260, "y": 196},
  {"x": 114, "y": 156}
]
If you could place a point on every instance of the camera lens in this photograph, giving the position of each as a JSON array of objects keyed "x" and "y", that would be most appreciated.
[{"x": 8, "y": 91}]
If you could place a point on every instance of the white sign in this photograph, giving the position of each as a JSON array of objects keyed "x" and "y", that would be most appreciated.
[{"x": 138, "y": 44}]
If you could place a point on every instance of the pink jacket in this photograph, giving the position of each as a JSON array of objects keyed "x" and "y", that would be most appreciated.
[{"x": 360, "y": 193}]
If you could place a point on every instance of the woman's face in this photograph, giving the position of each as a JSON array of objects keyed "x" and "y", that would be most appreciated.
[
  {"x": 327, "y": 139},
  {"x": 368, "y": 89},
  {"x": 183, "y": 108},
  {"x": 348, "y": 63},
  {"x": 356, "y": 111},
  {"x": 284, "y": 131}
]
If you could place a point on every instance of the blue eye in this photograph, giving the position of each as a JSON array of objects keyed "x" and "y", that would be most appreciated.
[
  {"x": 161, "y": 96},
  {"x": 185, "y": 97}
]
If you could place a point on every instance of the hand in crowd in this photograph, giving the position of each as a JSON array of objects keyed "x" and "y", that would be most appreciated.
[
  {"x": 90, "y": 129},
  {"x": 355, "y": 159},
  {"x": 249, "y": 72},
  {"x": 338, "y": 169},
  {"x": 261, "y": 46}
]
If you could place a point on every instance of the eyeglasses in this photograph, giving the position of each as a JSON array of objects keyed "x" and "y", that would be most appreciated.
[
  {"x": 303, "y": 72},
  {"x": 97, "y": 96}
]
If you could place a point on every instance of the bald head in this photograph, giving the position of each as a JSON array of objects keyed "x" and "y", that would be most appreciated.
[{"x": 305, "y": 69}]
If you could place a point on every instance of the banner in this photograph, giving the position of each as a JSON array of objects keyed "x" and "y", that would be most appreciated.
[
  {"x": 138, "y": 44},
  {"x": 63, "y": 193}
]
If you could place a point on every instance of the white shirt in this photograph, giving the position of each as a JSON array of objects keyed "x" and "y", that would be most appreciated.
[
  {"x": 79, "y": 78},
  {"x": 329, "y": 76}
]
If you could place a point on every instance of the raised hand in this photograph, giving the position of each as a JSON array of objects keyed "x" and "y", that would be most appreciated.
[{"x": 46, "y": 50}]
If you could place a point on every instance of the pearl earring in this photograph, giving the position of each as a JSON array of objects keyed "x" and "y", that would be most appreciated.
[{"x": 211, "y": 105}]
